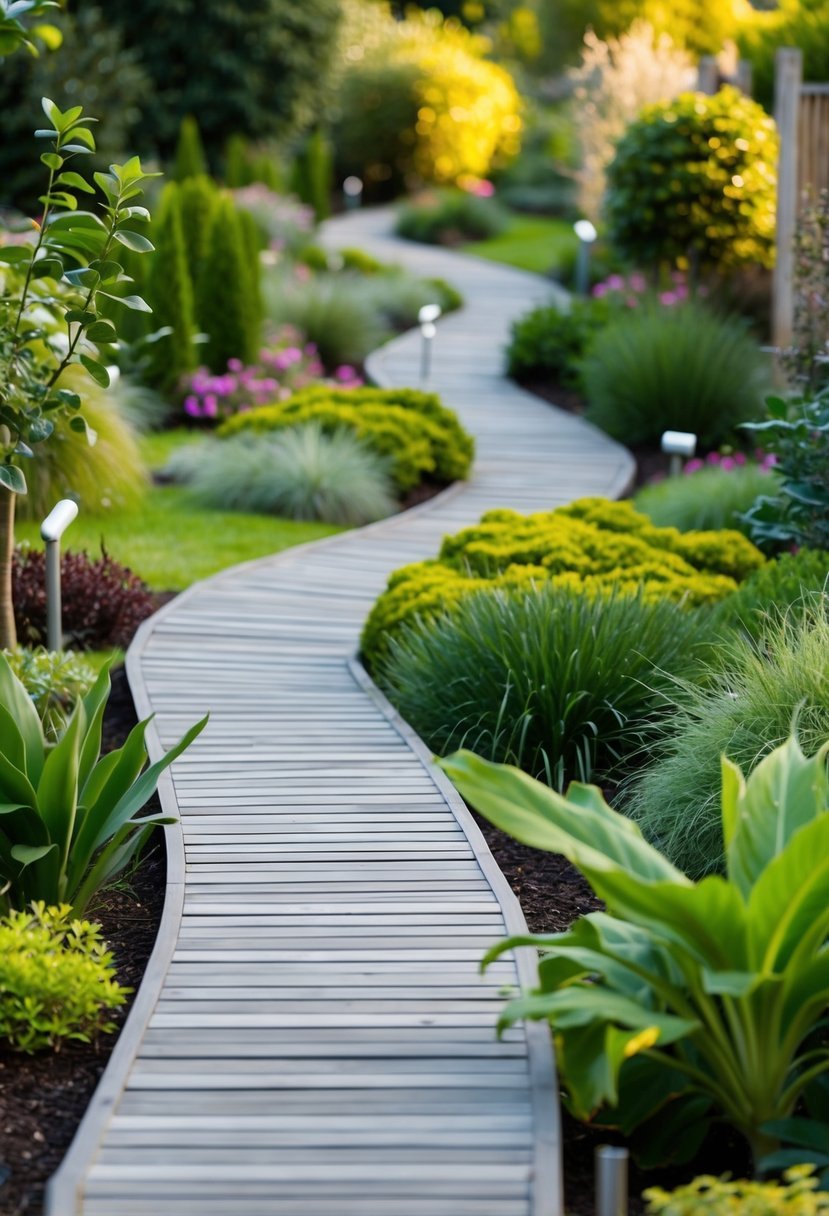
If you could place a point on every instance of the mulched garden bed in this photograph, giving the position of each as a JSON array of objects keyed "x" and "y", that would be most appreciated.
[{"x": 44, "y": 1097}]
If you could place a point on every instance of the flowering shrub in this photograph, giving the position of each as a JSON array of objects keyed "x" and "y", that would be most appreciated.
[
  {"x": 287, "y": 364},
  {"x": 631, "y": 290},
  {"x": 726, "y": 462}
]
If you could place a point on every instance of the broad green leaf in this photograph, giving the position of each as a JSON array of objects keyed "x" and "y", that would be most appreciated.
[
  {"x": 12, "y": 478},
  {"x": 59, "y": 198},
  {"x": 108, "y": 270},
  {"x": 17, "y": 702},
  {"x": 80, "y": 135},
  {"x": 75, "y": 181},
  {"x": 97, "y": 371},
  {"x": 133, "y": 240},
  {"x": 51, "y": 160},
  {"x": 789, "y": 902},
  {"x": 15, "y": 255},
  {"x": 102, "y": 331},
  {"x": 733, "y": 787},
  {"x": 783, "y": 793},
  {"x": 580, "y": 826},
  {"x": 81, "y": 425},
  {"x": 57, "y": 790},
  {"x": 51, "y": 111},
  {"x": 48, "y": 268},
  {"x": 40, "y": 429},
  {"x": 132, "y": 302},
  {"x": 94, "y": 705},
  {"x": 27, "y": 854}
]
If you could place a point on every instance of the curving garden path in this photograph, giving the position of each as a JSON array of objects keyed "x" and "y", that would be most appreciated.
[{"x": 312, "y": 1037}]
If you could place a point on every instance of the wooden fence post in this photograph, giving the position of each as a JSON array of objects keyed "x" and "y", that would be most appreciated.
[
  {"x": 708, "y": 75},
  {"x": 788, "y": 81}
]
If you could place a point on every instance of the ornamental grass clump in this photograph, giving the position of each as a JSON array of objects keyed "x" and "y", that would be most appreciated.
[
  {"x": 743, "y": 709},
  {"x": 561, "y": 684},
  {"x": 590, "y": 546},
  {"x": 652, "y": 369},
  {"x": 712, "y": 496},
  {"x": 300, "y": 473},
  {"x": 681, "y": 1004},
  {"x": 57, "y": 979}
]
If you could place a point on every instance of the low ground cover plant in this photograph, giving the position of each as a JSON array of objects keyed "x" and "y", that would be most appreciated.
[
  {"x": 591, "y": 546},
  {"x": 562, "y": 684},
  {"x": 796, "y": 1195},
  {"x": 422, "y": 438},
  {"x": 55, "y": 680},
  {"x": 744, "y": 708},
  {"x": 73, "y": 820},
  {"x": 682, "y": 1002},
  {"x": 103, "y": 602},
  {"x": 57, "y": 979}
]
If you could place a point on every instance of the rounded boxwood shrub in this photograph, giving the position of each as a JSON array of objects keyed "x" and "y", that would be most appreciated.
[
  {"x": 653, "y": 369},
  {"x": 559, "y": 683},
  {"x": 550, "y": 342},
  {"x": 590, "y": 546},
  {"x": 695, "y": 178},
  {"x": 422, "y": 439},
  {"x": 450, "y": 217}
]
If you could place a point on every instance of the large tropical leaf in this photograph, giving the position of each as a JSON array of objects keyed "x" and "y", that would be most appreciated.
[
  {"x": 580, "y": 825},
  {"x": 17, "y": 702}
]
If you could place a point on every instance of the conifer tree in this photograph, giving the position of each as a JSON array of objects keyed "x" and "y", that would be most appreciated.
[
  {"x": 199, "y": 197},
  {"x": 190, "y": 158},
  {"x": 225, "y": 309},
  {"x": 170, "y": 292}
]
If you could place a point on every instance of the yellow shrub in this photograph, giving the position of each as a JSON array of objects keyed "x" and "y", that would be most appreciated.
[{"x": 707, "y": 1196}]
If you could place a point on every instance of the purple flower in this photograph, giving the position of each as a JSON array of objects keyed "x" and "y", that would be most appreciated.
[
  {"x": 192, "y": 406},
  {"x": 694, "y": 465},
  {"x": 211, "y": 405},
  {"x": 234, "y": 365},
  {"x": 668, "y": 298}
]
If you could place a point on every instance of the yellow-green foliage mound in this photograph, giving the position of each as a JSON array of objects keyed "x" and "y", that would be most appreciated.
[
  {"x": 423, "y": 440},
  {"x": 591, "y": 545}
]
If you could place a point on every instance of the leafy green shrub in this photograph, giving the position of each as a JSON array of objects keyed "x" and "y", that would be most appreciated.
[
  {"x": 103, "y": 602},
  {"x": 551, "y": 342},
  {"x": 109, "y": 475},
  {"x": 797, "y": 433},
  {"x": 198, "y": 197},
  {"x": 559, "y": 683},
  {"x": 652, "y": 369},
  {"x": 787, "y": 584},
  {"x": 421, "y": 104},
  {"x": 664, "y": 1004},
  {"x": 744, "y": 709},
  {"x": 420, "y": 436},
  {"x": 55, "y": 680},
  {"x": 361, "y": 262},
  {"x": 331, "y": 310},
  {"x": 797, "y": 1195},
  {"x": 225, "y": 308},
  {"x": 450, "y": 217},
  {"x": 302, "y": 473},
  {"x": 57, "y": 979},
  {"x": 313, "y": 176},
  {"x": 800, "y": 23},
  {"x": 397, "y": 297},
  {"x": 75, "y": 820},
  {"x": 655, "y": 207},
  {"x": 710, "y": 497},
  {"x": 590, "y": 546}
]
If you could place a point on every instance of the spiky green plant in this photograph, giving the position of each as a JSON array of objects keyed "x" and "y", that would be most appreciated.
[
  {"x": 709, "y": 498},
  {"x": 170, "y": 292},
  {"x": 190, "y": 158},
  {"x": 225, "y": 309}
]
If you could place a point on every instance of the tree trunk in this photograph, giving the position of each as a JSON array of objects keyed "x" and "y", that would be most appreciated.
[{"x": 8, "y": 633}]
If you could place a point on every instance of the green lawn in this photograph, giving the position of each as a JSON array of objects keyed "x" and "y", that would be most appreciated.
[
  {"x": 531, "y": 242},
  {"x": 170, "y": 542}
]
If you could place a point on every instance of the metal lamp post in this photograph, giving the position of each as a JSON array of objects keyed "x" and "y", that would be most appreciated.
[
  {"x": 611, "y": 1181},
  {"x": 426, "y": 318},
  {"x": 353, "y": 192},
  {"x": 680, "y": 446},
  {"x": 587, "y": 234},
  {"x": 51, "y": 530}
]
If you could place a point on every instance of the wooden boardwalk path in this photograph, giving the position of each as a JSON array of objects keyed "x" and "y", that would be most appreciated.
[{"x": 312, "y": 1037}]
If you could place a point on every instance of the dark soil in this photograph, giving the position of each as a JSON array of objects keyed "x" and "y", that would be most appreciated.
[{"x": 44, "y": 1097}]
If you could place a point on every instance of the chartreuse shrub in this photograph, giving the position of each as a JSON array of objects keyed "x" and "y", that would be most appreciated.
[
  {"x": 796, "y": 1195},
  {"x": 744, "y": 708},
  {"x": 652, "y": 369},
  {"x": 420, "y": 103},
  {"x": 71, "y": 820},
  {"x": 682, "y": 1002},
  {"x": 787, "y": 584},
  {"x": 422, "y": 438},
  {"x": 190, "y": 158},
  {"x": 57, "y": 979},
  {"x": 590, "y": 546},
  {"x": 303, "y": 472},
  {"x": 694, "y": 179},
  {"x": 711, "y": 497},
  {"x": 559, "y": 683},
  {"x": 54, "y": 679}
]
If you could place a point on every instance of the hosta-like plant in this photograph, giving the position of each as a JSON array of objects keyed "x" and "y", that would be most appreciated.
[
  {"x": 70, "y": 820},
  {"x": 683, "y": 1001}
]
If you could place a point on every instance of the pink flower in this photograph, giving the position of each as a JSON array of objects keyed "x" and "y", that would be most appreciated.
[
  {"x": 638, "y": 283},
  {"x": 615, "y": 282},
  {"x": 601, "y": 289},
  {"x": 668, "y": 298},
  {"x": 739, "y": 458},
  {"x": 211, "y": 405},
  {"x": 234, "y": 365},
  {"x": 694, "y": 465},
  {"x": 712, "y": 458},
  {"x": 192, "y": 406},
  {"x": 728, "y": 463}
]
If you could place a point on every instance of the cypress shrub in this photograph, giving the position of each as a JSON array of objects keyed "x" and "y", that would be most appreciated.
[
  {"x": 225, "y": 309},
  {"x": 170, "y": 291},
  {"x": 313, "y": 177},
  {"x": 190, "y": 158},
  {"x": 198, "y": 197}
]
